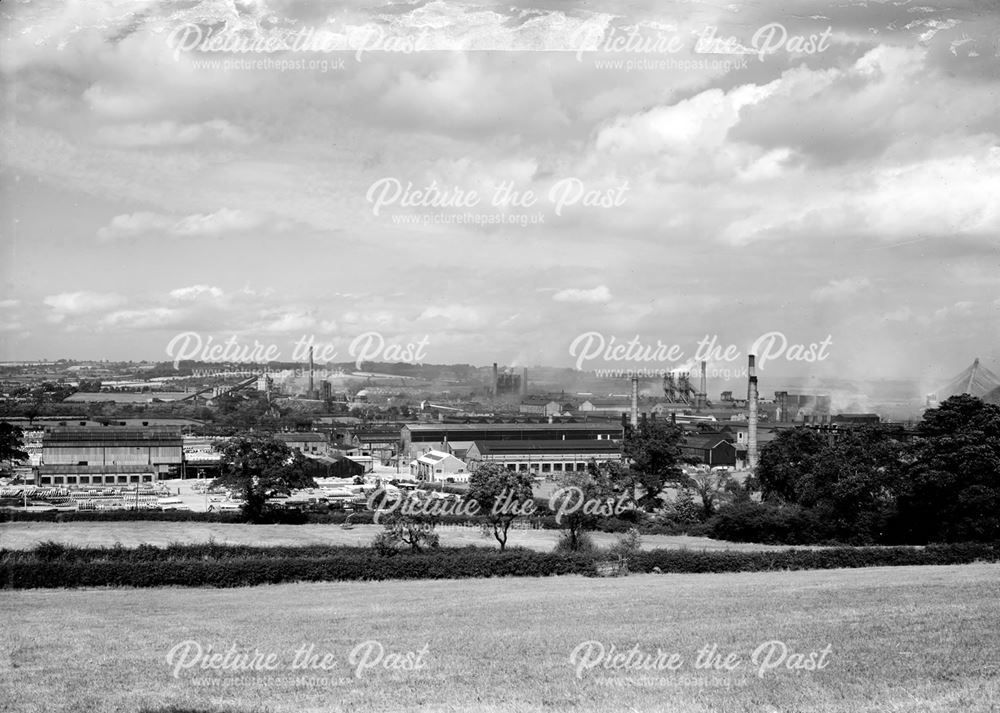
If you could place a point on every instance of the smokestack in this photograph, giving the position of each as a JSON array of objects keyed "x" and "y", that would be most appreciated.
[
  {"x": 524, "y": 381},
  {"x": 703, "y": 392},
  {"x": 310, "y": 394},
  {"x": 752, "y": 419},
  {"x": 496, "y": 381},
  {"x": 635, "y": 401}
]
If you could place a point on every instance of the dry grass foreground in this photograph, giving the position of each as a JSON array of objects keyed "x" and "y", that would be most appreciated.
[
  {"x": 24, "y": 535},
  {"x": 900, "y": 639}
]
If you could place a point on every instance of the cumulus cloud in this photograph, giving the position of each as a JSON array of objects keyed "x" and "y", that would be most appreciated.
[
  {"x": 195, "y": 291},
  {"x": 453, "y": 316},
  {"x": 172, "y": 133},
  {"x": 840, "y": 289},
  {"x": 151, "y": 318},
  {"x": 80, "y": 303},
  {"x": 597, "y": 295},
  {"x": 141, "y": 224}
]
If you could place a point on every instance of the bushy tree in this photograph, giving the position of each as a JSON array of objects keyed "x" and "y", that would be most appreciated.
[
  {"x": 415, "y": 532},
  {"x": 503, "y": 495},
  {"x": 711, "y": 486},
  {"x": 786, "y": 461},
  {"x": 578, "y": 489},
  {"x": 653, "y": 452},
  {"x": 951, "y": 489},
  {"x": 11, "y": 442},
  {"x": 258, "y": 467}
]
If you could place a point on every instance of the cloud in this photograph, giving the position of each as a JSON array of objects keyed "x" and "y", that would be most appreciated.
[
  {"x": 152, "y": 318},
  {"x": 840, "y": 289},
  {"x": 141, "y": 224},
  {"x": 222, "y": 221},
  {"x": 81, "y": 303},
  {"x": 171, "y": 133},
  {"x": 597, "y": 295},
  {"x": 452, "y": 316},
  {"x": 9, "y": 304},
  {"x": 194, "y": 292}
]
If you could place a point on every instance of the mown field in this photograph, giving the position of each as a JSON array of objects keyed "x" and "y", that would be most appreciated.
[
  {"x": 23, "y": 535},
  {"x": 899, "y": 639}
]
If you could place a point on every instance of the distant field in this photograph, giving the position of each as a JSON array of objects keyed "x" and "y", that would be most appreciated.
[
  {"x": 902, "y": 639},
  {"x": 23, "y": 535}
]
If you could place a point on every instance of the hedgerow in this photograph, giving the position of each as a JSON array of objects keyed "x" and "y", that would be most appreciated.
[{"x": 214, "y": 565}]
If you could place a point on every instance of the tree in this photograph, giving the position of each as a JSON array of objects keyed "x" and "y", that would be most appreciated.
[
  {"x": 951, "y": 491},
  {"x": 502, "y": 495},
  {"x": 407, "y": 519},
  {"x": 710, "y": 486},
  {"x": 576, "y": 501},
  {"x": 853, "y": 483},
  {"x": 785, "y": 461},
  {"x": 413, "y": 531},
  {"x": 258, "y": 467},
  {"x": 11, "y": 441},
  {"x": 653, "y": 450}
]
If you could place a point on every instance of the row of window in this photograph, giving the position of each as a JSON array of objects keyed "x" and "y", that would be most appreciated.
[
  {"x": 548, "y": 467},
  {"x": 94, "y": 479}
]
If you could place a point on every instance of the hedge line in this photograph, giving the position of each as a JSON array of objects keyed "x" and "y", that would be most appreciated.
[
  {"x": 253, "y": 571},
  {"x": 253, "y": 566}
]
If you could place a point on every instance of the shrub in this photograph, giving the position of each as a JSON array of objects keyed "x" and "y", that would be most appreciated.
[
  {"x": 769, "y": 524},
  {"x": 50, "y": 550},
  {"x": 627, "y": 546},
  {"x": 584, "y": 544}
]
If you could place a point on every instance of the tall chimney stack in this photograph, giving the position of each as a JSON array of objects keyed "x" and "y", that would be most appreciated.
[
  {"x": 752, "y": 419},
  {"x": 524, "y": 381},
  {"x": 703, "y": 387},
  {"x": 496, "y": 381},
  {"x": 635, "y": 401},
  {"x": 310, "y": 394}
]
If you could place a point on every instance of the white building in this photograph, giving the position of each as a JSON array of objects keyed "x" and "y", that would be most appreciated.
[{"x": 438, "y": 466}]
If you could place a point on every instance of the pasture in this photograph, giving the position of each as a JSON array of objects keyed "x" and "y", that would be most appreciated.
[
  {"x": 896, "y": 639},
  {"x": 24, "y": 535}
]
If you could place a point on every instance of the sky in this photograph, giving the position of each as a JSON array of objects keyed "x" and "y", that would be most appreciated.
[{"x": 503, "y": 181}]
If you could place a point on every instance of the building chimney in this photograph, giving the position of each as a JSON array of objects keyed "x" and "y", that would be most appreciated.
[
  {"x": 310, "y": 393},
  {"x": 496, "y": 381},
  {"x": 524, "y": 381},
  {"x": 752, "y": 419},
  {"x": 703, "y": 392},
  {"x": 635, "y": 401}
]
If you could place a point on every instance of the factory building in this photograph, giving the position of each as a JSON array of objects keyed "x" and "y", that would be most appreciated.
[
  {"x": 308, "y": 442},
  {"x": 160, "y": 449},
  {"x": 710, "y": 449},
  {"x": 379, "y": 443},
  {"x": 543, "y": 456},
  {"x": 95, "y": 475},
  {"x": 506, "y": 381},
  {"x": 438, "y": 467},
  {"x": 413, "y": 436},
  {"x": 540, "y": 406}
]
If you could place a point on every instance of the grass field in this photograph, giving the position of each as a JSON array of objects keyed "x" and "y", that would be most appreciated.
[
  {"x": 23, "y": 535},
  {"x": 900, "y": 639}
]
